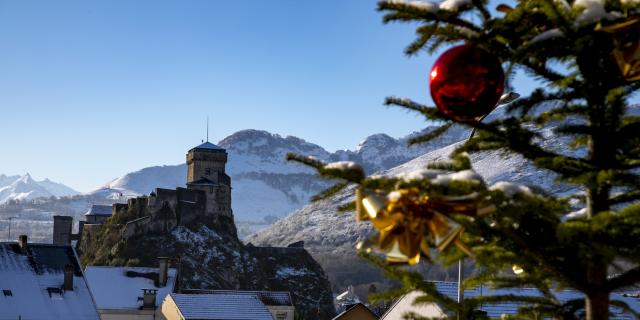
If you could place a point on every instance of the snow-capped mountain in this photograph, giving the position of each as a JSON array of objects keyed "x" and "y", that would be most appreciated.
[
  {"x": 334, "y": 247},
  {"x": 26, "y": 188},
  {"x": 264, "y": 184},
  {"x": 57, "y": 189},
  {"x": 315, "y": 223}
]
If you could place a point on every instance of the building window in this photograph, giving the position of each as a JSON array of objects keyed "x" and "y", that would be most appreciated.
[
  {"x": 207, "y": 171},
  {"x": 281, "y": 316},
  {"x": 210, "y": 189},
  {"x": 7, "y": 293}
]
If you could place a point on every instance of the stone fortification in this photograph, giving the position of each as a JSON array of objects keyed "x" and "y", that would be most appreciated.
[{"x": 195, "y": 226}]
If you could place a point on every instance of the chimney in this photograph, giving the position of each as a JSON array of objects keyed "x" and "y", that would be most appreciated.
[
  {"x": 62, "y": 226},
  {"x": 22, "y": 242},
  {"x": 163, "y": 271},
  {"x": 149, "y": 298},
  {"x": 68, "y": 278}
]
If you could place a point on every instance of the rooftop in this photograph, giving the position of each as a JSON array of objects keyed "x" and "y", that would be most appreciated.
[
  {"x": 269, "y": 298},
  {"x": 32, "y": 284},
  {"x": 208, "y": 146},
  {"x": 450, "y": 289},
  {"x": 358, "y": 310},
  {"x": 119, "y": 287},
  {"x": 230, "y": 306},
  {"x": 99, "y": 210}
]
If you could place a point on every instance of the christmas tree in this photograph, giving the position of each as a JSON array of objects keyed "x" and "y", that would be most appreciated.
[{"x": 586, "y": 54}]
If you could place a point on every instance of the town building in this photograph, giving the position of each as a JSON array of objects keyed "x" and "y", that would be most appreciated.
[
  {"x": 131, "y": 293},
  {"x": 98, "y": 214},
  {"x": 279, "y": 303},
  {"x": 357, "y": 311},
  {"x": 62, "y": 230},
  {"x": 43, "y": 281},
  {"x": 405, "y": 303},
  {"x": 224, "y": 306}
]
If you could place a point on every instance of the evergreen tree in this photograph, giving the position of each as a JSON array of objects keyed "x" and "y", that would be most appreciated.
[{"x": 572, "y": 48}]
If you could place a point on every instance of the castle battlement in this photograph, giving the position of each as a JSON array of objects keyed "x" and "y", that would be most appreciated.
[{"x": 206, "y": 199}]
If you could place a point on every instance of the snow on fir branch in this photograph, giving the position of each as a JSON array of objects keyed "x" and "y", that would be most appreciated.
[
  {"x": 343, "y": 165},
  {"x": 510, "y": 189}
]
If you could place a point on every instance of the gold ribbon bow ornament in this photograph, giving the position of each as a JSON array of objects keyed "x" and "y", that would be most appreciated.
[
  {"x": 626, "y": 36},
  {"x": 404, "y": 218}
]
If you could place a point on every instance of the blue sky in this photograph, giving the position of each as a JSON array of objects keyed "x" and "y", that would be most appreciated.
[{"x": 91, "y": 90}]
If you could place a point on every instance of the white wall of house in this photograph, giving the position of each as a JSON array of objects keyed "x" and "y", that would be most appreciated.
[
  {"x": 405, "y": 305},
  {"x": 169, "y": 310},
  {"x": 282, "y": 312}
]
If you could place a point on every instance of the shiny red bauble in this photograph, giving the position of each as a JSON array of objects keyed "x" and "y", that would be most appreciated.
[{"x": 466, "y": 83}]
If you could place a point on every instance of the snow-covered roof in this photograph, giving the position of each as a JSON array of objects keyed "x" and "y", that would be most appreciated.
[
  {"x": 208, "y": 146},
  {"x": 450, "y": 289},
  {"x": 269, "y": 298},
  {"x": 32, "y": 284},
  {"x": 120, "y": 287},
  {"x": 221, "y": 306},
  {"x": 99, "y": 210}
]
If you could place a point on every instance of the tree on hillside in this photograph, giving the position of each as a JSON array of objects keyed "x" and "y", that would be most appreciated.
[{"x": 586, "y": 53}]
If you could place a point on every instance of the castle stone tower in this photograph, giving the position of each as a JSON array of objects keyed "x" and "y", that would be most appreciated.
[
  {"x": 206, "y": 172},
  {"x": 205, "y": 161}
]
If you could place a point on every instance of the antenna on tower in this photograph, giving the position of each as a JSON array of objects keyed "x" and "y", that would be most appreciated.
[{"x": 207, "y": 128}]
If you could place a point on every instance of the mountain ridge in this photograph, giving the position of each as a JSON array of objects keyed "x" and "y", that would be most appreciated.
[
  {"x": 265, "y": 185},
  {"x": 24, "y": 187}
]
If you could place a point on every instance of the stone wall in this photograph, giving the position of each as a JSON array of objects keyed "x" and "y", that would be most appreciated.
[{"x": 205, "y": 164}]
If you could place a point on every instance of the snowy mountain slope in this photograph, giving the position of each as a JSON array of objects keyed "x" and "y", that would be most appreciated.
[
  {"x": 264, "y": 184},
  {"x": 26, "y": 188},
  {"x": 146, "y": 180},
  {"x": 57, "y": 189},
  {"x": 316, "y": 223}
]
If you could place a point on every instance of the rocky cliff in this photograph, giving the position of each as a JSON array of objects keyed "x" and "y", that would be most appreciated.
[{"x": 212, "y": 257}]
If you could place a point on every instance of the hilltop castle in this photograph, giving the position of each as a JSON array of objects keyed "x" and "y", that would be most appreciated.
[
  {"x": 194, "y": 226},
  {"x": 207, "y": 198}
]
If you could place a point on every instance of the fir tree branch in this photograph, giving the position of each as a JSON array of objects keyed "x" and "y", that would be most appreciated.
[
  {"x": 308, "y": 161},
  {"x": 412, "y": 281},
  {"x": 481, "y": 5},
  {"x": 431, "y": 135},
  {"x": 539, "y": 69},
  {"x": 628, "y": 196},
  {"x": 551, "y": 265},
  {"x": 625, "y": 307},
  {"x": 494, "y": 299},
  {"x": 628, "y": 278},
  {"x": 424, "y": 34},
  {"x": 430, "y": 113},
  {"x": 406, "y": 12},
  {"x": 326, "y": 193}
]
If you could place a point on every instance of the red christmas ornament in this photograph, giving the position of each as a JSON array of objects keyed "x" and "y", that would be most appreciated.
[{"x": 466, "y": 83}]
